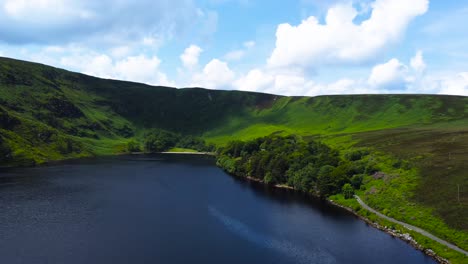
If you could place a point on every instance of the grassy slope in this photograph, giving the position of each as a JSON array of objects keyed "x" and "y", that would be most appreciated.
[{"x": 48, "y": 114}]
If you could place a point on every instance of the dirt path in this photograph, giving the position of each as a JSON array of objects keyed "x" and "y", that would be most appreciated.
[{"x": 410, "y": 227}]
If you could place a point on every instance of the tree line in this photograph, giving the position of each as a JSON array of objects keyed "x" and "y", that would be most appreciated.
[
  {"x": 308, "y": 166},
  {"x": 159, "y": 140}
]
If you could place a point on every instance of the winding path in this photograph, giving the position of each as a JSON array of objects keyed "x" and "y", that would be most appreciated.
[{"x": 411, "y": 227}]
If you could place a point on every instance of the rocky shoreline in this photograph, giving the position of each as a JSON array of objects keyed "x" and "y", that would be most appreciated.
[{"x": 394, "y": 233}]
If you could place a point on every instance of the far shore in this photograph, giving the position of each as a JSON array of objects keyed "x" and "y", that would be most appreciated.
[
  {"x": 189, "y": 153},
  {"x": 173, "y": 152}
]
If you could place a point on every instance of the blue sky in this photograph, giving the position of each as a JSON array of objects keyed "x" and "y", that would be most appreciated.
[{"x": 296, "y": 47}]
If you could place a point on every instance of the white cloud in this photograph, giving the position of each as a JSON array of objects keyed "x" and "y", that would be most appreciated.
[
  {"x": 35, "y": 10},
  {"x": 340, "y": 39},
  {"x": 103, "y": 22},
  {"x": 454, "y": 85},
  {"x": 417, "y": 62},
  {"x": 283, "y": 82},
  {"x": 190, "y": 56},
  {"x": 120, "y": 51},
  {"x": 391, "y": 75},
  {"x": 254, "y": 80},
  {"x": 215, "y": 75},
  {"x": 296, "y": 83},
  {"x": 141, "y": 68},
  {"x": 133, "y": 68}
]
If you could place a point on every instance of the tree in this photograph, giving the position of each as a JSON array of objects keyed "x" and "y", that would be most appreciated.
[
  {"x": 303, "y": 179},
  {"x": 269, "y": 178},
  {"x": 356, "y": 181},
  {"x": 160, "y": 140},
  {"x": 347, "y": 191},
  {"x": 133, "y": 146},
  {"x": 325, "y": 182}
]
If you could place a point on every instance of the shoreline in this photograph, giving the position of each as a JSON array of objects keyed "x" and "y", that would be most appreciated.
[
  {"x": 169, "y": 152},
  {"x": 186, "y": 153},
  {"x": 394, "y": 233}
]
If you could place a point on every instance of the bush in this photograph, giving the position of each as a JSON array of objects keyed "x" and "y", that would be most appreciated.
[
  {"x": 356, "y": 154},
  {"x": 133, "y": 146}
]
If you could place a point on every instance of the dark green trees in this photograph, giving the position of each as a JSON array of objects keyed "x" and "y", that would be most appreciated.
[
  {"x": 158, "y": 140},
  {"x": 347, "y": 191},
  {"x": 308, "y": 166}
]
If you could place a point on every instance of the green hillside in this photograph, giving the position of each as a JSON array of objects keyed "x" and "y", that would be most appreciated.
[{"x": 50, "y": 114}]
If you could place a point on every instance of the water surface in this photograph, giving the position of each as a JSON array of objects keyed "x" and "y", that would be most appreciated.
[{"x": 174, "y": 209}]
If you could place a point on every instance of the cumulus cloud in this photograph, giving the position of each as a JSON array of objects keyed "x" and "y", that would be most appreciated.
[
  {"x": 295, "y": 82},
  {"x": 190, "y": 56},
  {"x": 254, "y": 80},
  {"x": 215, "y": 75},
  {"x": 133, "y": 68},
  {"x": 454, "y": 85},
  {"x": 388, "y": 77},
  {"x": 284, "y": 82},
  {"x": 340, "y": 39},
  {"x": 417, "y": 62},
  {"x": 392, "y": 74}
]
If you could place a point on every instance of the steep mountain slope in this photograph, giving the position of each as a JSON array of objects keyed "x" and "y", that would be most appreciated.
[{"x": 52, "y": 112}]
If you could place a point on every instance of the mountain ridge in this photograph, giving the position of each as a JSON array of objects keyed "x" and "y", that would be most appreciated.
[{"x": 93, "y": 108}]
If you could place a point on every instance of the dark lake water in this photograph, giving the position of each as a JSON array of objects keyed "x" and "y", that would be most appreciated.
[{"x": 174, "y": 209}]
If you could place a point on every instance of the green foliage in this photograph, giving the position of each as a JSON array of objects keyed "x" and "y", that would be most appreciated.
[
  {"x": 357, "y": 154},
  {"x": 356, "y": 181},
  {"x": 308, "y": 166},
  {"x": 347, "y": 191},
  {"x": 158, "y": 140},
  {"x": 325, "y": 182},
  {"x": 133, "y": 146},
  {"x": 303, "y": 179}
]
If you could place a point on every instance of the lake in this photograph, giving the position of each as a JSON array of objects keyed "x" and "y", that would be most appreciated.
[{"x": 175, "y": 209}]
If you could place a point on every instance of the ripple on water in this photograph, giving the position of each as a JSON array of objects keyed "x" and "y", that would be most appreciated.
[{"x": 299, "y": 254}]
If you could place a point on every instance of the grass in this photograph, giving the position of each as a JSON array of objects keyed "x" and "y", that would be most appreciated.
[
  {"x": 426, "y": 243},
  {"x": 184, "y": 150}
]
